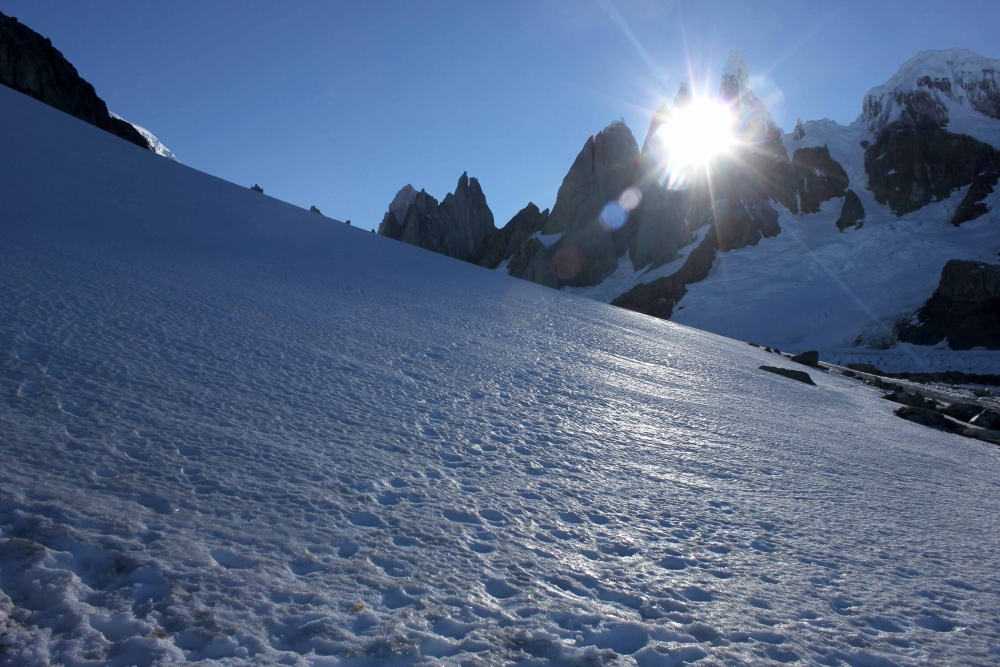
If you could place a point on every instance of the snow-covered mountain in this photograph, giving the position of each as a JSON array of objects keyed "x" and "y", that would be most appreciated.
[
  {"x": 829, "y": 237},
  {"x": 154, "y": 144},
  {"x": 233, "y": 431}
]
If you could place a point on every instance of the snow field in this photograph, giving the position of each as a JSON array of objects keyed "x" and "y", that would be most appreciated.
[{"x": 232, "y": 432}]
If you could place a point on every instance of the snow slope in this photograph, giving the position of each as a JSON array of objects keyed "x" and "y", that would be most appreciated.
[
  {"x": 233, "y": 431},
  {"x": 813, "y": 287}
]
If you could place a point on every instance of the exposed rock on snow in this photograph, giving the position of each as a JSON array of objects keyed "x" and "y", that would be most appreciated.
[
  {"x": 822, "y": 177},
  {"x": 908, "y": 167},
  {"x": 155, "y": 144},
  {"x": 801, "y": 376},
  {"x": 852, "y": 212},
  {"x": 964, "y": 309},
  {"x": 808, "y": 358},
  {"x": 31, "y": 65}
]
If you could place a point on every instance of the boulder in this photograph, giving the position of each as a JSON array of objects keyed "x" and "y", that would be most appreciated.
[
  {"x": 257, "y": 188},
  {"x": 930, "y": 418},
  {"x": 985, "y": 435},
  {"x": 988, "y": 419},
  {"x": 31, "y": 65},
  {"x": 965, "y": 309},
  {"x": 962, "y": 411},
  {"x": 313, "y": 209},
  {"x": 801, "y": 376},
  {"x": 911, "y": 398},
  {"x": 865, "y": 368},
  {"x": 808, "y": 358}
]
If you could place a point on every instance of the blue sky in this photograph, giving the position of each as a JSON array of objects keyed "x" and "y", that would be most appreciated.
[{"x": 339, "y": 104}]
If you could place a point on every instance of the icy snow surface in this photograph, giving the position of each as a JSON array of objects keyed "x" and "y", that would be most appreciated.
[{"x": 233, "y": 430}]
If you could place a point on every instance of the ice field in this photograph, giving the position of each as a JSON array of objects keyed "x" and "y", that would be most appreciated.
[{"x": 235, "y": 431}]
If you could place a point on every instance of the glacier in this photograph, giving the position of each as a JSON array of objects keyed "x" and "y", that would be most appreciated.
[{"x": 234, "y": 431}]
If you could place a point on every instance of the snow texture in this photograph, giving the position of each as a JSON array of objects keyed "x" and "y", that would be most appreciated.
[
  {"x": 151, "y": 139},
  {"x": 234, "y": 431}
]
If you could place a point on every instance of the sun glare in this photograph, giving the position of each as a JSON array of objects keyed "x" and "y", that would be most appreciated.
[{"x": 693, "y": 135}]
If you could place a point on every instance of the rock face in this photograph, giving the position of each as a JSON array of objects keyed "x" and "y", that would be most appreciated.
[
  {"x": 503, "y": 243},
  {"x": 456, "y": 227},
  {"x": 915, "y": 159},
  {"x": 965, "y": 309},
  {"x": 31, "y": 65},
  {"x": 822, "y": 177},
  {"x": 591, "y": 241},
  {"x": 911, "y": 165},
  {"x": 852, "y": 212}
]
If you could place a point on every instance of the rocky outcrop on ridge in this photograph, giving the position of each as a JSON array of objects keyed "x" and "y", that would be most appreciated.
[
  {"x": 965, "y": 309},
  {"x": 456, "y": 227},
  {"x": 31, "y": 65}
]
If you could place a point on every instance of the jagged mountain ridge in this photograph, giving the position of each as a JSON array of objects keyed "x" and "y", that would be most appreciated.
[{"x": 896, "y": 160}]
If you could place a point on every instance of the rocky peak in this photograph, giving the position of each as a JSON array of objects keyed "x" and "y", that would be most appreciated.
[
  {"x": 397, "y": 209},
  {"x": 596, "y": 174},
  {"x": 660, "y": 116},
  {"x": 31, "y": 65},
  {"x": 456, "y": 227},
  {"x": 735, "y": 77}
]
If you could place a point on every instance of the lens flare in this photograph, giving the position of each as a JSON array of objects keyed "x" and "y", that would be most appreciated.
[{"x": 692, "y": 136}]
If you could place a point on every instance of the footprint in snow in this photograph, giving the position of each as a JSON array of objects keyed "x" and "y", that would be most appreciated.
[
  {"x": 230, "y": 560},
  {"x": 500, "y": 589},
  {"x": 366, "y": 520}
]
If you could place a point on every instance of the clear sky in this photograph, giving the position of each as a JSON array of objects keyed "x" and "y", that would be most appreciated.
[{"x": 339, "y": 104}]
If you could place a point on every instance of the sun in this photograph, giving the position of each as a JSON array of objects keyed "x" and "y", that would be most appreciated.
[{"x": 693, "y": 135}]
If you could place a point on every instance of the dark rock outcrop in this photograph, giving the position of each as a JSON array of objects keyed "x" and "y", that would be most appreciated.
[
  {"x": 504, "y": 242},
  {"x": 313, "y": 209},
  {"x": 912, "y": 163},
  {"x": 31, "y": 65},
  {"x": 257, "y": 188},
  {"x": 457, "y": 227},
  {"x": 822, "y": 177},
  {"x": 963, "y": 411},
  {"x": 801, "y": 376},
  {"x": 988, "y": 419},
  {"x": 965, "y": 309},
  {"x": 807, "y": 358},
  {"x": 928, "y": 417},
  {"x": 852, "y": 212},
  {"x": 594, "y": 236}
]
